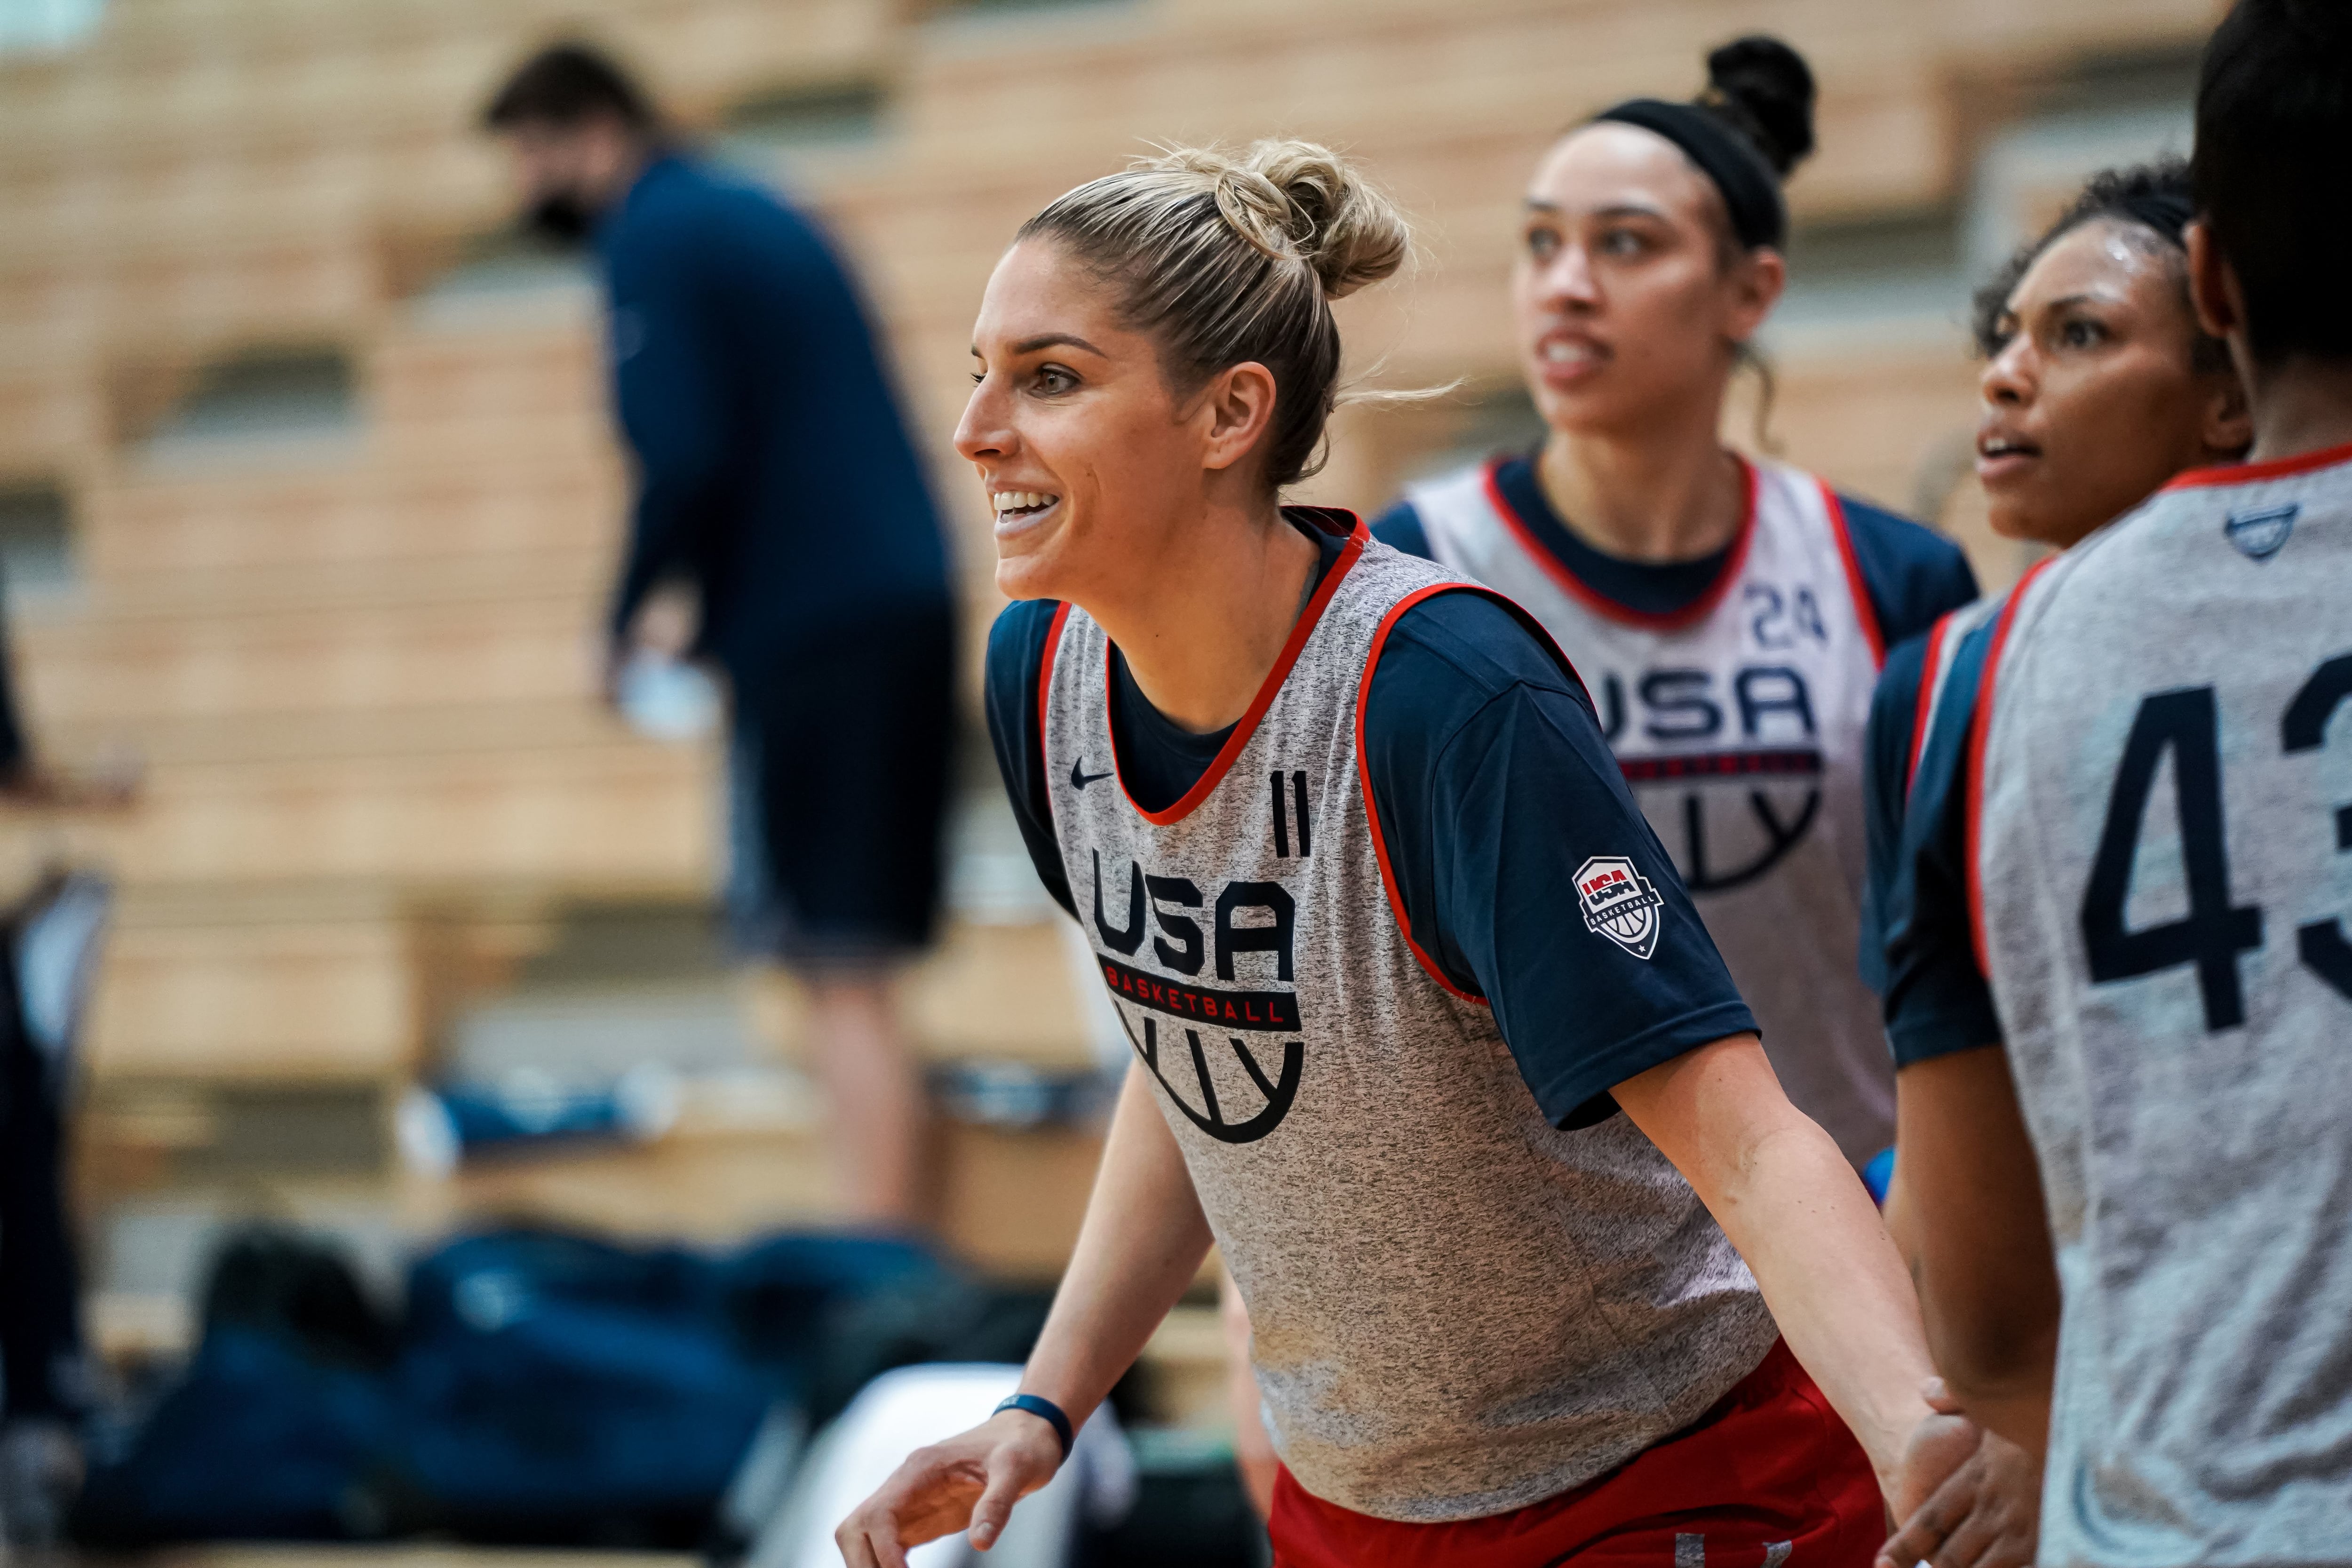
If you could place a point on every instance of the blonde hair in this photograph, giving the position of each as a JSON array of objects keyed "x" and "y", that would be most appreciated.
[{"x": 1229, "y": 258}]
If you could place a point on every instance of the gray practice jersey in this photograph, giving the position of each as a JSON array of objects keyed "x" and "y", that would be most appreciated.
[
  {"x": 2161, "y": 826},
  {"x": 1458, "y": 1308}
]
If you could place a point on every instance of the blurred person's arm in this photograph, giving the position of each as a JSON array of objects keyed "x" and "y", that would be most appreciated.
[
  {"x": 15, "y": 755},
  {"x": 669, "y": 386},
  {"x": 21, "y": 780},
  {"x": 1139, "y": 1247},
  {"x": 24, "y": 779}
]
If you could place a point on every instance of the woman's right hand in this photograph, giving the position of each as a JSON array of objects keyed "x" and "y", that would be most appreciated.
[
  {"x": 1139, "y": 1250},
  {"x": 971, "y": 1480}
]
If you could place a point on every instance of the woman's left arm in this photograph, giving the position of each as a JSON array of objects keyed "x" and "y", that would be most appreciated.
[{"x": 1794, "y": 1208}]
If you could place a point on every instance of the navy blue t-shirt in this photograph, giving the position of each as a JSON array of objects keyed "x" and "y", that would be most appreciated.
[
  {"x": 1937, "y": 998},
  {"x": 1912, "y": 575},
  {"x": 740, "y": 347},
  {"x": 1493, "y": 784},
  {"x": 1885, "y": 781}
]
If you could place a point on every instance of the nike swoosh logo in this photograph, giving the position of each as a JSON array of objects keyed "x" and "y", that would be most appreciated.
[{"x": 1080, "y": 778}]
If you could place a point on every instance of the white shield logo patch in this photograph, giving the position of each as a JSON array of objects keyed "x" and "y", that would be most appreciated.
[{"x": 1620, "y": 903}]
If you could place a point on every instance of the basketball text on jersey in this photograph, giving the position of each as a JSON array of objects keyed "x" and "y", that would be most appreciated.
[
  {"x": 2160, "y": 833},
  {"x": 1739, "y": 725},
  {"x": 1619, "y": 903},
  {"x": 1236, "y": 1019}
]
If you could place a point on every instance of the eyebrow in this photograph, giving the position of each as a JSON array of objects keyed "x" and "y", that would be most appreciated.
[
  {"x": 1620, "y": 209},
  {"x": 1049, "y": 340},
  {"x": 2081, "y": 297}
]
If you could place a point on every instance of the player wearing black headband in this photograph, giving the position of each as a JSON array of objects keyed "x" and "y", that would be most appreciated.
[
  {"x": 1747, "y": 132},
  {"x": 1729, "y": 613}
]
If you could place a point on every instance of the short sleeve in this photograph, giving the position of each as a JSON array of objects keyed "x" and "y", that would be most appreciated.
[
  {"x": 1937, "y": 998},
  {"x": 1885, "y": 781},
  {"x": 1506, "y": 822},
  {"x": 1017, "y": 652},
  {"x": 1915, "y": 575}
]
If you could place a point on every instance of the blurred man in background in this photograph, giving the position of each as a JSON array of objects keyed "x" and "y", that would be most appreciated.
[{"x": 775, "y": 479}]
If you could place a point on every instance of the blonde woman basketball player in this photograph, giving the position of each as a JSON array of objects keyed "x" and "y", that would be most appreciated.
[{"x": 1512, "y": 1193}]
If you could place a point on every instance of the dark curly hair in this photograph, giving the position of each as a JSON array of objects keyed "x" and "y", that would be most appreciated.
[{"x": 2155, "y": 198}]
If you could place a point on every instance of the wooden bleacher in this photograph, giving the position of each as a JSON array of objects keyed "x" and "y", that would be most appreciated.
[{"x": 354, "y": 665}]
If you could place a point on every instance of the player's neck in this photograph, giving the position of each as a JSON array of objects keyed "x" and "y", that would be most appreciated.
[
  {"x": 2303, "y": 406},
  {"x": 1670, "y": 493},
  {"x": 1204, "y": 623}
]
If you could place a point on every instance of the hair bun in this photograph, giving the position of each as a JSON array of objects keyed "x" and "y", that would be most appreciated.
[
  {"x": 1764, "y": 87},
  {"x": 1300, "y": 200},
  {"x": 1348, "y": 230}
]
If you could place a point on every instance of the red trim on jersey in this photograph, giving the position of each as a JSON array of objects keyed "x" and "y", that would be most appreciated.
[
  {"x": 1600, "y": 603},
  {"x": 1044, "y": 689},
  {"x": 1926, "y": 698},
  {"x": 1364, "y": 777},
  {"x": 1863, "y": 610},
  {"x": 1046, "y": 666},
  {"x": 2254, "y": 473},
  {"x": 1979, "y": 726},
  {"x": 1358, "y": 537}
]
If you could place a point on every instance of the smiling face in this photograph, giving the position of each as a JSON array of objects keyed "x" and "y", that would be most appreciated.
[
  {"x": 1625, "y": 299},
  {"x": 2092, "y": 400},
  {"x": 1095, "y": 465}
]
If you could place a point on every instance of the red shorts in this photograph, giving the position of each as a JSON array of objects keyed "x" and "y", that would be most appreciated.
[{"x": 1770, "y": 1464}]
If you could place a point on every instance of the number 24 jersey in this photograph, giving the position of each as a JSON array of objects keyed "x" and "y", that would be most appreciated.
[{"x": 1738, "y": 721}]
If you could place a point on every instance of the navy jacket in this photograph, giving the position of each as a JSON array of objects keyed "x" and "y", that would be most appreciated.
[{"x": 774, "y": 470}]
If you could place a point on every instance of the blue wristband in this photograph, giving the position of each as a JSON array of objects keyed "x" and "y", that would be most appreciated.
[{"x": 1045, "y": 1410}]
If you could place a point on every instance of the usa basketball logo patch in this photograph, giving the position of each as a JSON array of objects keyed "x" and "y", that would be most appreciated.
[{"x": 1619, "y": 903}]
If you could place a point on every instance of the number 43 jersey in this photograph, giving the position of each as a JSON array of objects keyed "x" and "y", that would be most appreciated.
[{"x": 2159, "y": 825}]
